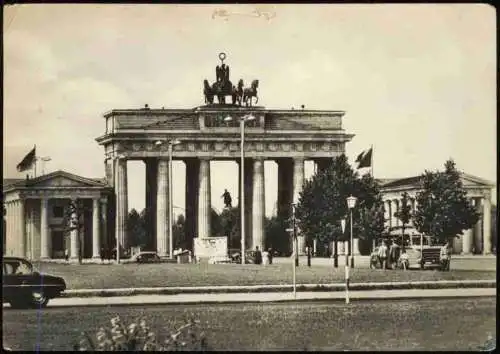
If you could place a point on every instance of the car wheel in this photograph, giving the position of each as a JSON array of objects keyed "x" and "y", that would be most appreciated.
[
  {"x": 18, "y": 304},
  {"x": 39, "y": 299}
]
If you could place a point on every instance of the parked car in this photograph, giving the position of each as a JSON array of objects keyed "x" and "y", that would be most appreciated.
[
  {"x": 146, "y": 257},
  {"x": 25, "y": 287},
  {"x": 249, "y": 257},
  {"x": 124, "y": 254}
]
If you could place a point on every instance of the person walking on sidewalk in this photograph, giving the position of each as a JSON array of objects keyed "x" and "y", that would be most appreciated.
[
  {"x": 445, "y": 256},
  {"x": 265, "y": 257},
  {"x": 258, "y": 255},
  {"x": 383, "y": 253},
  {"x": 394, "y": 254},
  {"x": 404, "y": 261}
]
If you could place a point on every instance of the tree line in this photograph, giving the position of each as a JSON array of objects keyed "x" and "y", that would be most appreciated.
[{"x": 443, "y": 210}]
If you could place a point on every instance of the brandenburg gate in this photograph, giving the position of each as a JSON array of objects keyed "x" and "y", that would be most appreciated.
[{"x": 214, "y": 132}]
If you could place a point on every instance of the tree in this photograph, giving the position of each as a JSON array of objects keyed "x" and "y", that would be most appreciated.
[
  {"x": 277, "y": 237},
  {"x": 444, "y": 210},
  {"x": 4, "y": 232},
  {"x": 494, "y": 232},
  {"x": 215, "y": 224},
  {"x": 322, "y": 203},
  {"x": 371, "y": 225},
  {"x": 230, "y": 226},
  {"x": 136, "y": 229},
  {"x": 179, "y": 232},
  {"x": 404, "y": 214}
]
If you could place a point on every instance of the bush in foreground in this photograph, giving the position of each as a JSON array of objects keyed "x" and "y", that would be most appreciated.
[{"x": 139, "y": 337}]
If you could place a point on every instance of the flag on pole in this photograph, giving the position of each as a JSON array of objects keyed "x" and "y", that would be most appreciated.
[
  {"x": 365, "y": 158},
  {"x": 28, "y": 161}
]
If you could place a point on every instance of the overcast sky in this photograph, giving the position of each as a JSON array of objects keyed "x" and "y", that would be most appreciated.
[{"x": 417, "y": 81}]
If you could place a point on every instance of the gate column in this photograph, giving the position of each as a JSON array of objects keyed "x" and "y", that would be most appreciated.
[
  {"x": 204, "y": 200},
  {"x": 258, "y": 208},
  {"x": 151, "y": 167},
  {"x": 162, "y": 201},
  {"x": 298, "y": 182},
  {"x": 192, "y": 194}
]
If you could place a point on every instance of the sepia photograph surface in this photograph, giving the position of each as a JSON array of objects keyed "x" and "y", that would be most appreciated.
[{"x": 312, "y": 177}]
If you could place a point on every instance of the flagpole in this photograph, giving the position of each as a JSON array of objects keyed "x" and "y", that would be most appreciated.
[
  {"x": 372, "y": 163},
  {"x": 35, "y": 162}
]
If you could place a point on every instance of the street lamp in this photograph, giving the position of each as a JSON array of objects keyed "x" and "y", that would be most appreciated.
[
  {"x": 336, "y": 246},
  {"x": 243, "y": 119},
  {"x": 346, "y": 267},
  {"x": 351, "y": 203},
  {"x": 171, "y": 143}
]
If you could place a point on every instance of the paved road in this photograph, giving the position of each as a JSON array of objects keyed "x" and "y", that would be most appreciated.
[
  {"x": 458, "y": 262},
  {"x": 337, "y": 296},
  {"x": 425, "y": 324}
]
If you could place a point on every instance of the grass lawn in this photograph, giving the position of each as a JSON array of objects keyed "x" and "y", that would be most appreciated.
[
  {"x": 103, "y": 276},
  {"x": 454, "y": 325}
]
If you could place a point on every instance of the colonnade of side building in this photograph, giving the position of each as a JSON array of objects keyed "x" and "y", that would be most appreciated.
[
  {"x": 198, "y": 198},
  {"x": 476, "y": 239},
  {"x": 31, "y": 225}
]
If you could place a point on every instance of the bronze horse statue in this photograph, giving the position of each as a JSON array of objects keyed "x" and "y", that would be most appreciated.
[
  {"x": 221, "y": 89},
  {"x": 208, "y": 92},
  {"x": 250, "y": 92},
  {"x": 237, "y": 93}
]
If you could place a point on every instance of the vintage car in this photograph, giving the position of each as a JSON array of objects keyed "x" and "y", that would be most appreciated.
[
  {"x": 235, "y": 257},
  {"x": 24, "y": 287},
  {"x": 422, "y": 251},
  {"x": 146, "y": 257}
]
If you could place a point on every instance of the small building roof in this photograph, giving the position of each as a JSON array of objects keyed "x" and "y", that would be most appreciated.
[{"x": 40, "y": 181}]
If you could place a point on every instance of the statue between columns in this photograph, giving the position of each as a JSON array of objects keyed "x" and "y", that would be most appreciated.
[
  {"x": 227, "y": 199},
  {"x": 73, "y": 216}
]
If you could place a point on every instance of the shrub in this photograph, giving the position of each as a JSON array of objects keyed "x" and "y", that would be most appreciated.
[{"x": 139, "y": 337}]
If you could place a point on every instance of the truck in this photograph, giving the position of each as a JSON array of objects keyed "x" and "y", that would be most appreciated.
[{"x": 423, "y": 251}]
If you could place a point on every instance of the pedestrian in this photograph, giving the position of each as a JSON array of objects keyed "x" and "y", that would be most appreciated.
[
  {"x": 270, "y": 256},
  {"x": 404, "y": 261},
  {"x": 383, "y": 255},
  {"x": 444, "y": 256},
  {"x": 258, "y": 255},
  {"x": 265, "y": 257},
  {"x": 394, "y": 254},
  {"x": 66, "y": 255}
]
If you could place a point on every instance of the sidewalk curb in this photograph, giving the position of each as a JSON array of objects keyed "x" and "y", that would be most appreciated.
[
  {"x": 329, "y": 297},
  {"x": 446, "y": 284}
]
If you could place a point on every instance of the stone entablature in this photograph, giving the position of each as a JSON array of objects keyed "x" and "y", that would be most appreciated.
[
  {"x": 203, "y": 118},
  {"x": 230, "y": 148},
  {"x": 204, "y": 133}
]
